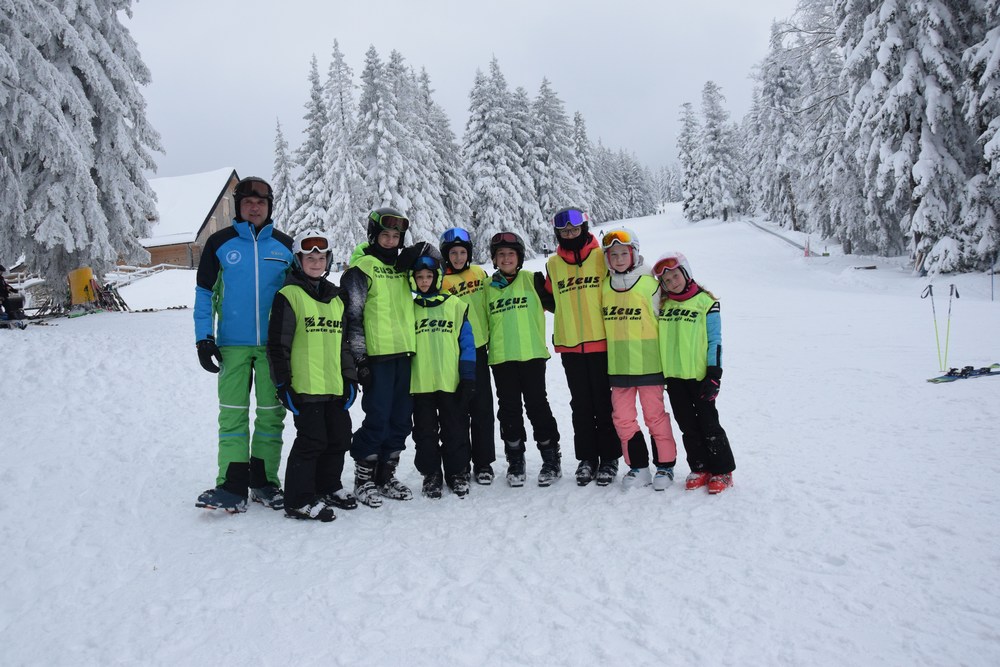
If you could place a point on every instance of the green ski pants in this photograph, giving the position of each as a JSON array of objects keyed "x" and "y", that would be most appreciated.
[{"x": 246, "y": 462}]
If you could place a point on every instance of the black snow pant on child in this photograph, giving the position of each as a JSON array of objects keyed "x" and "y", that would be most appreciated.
[
  {"x": 434, "y": 413},
  {"x": 705, "y": 442},
  {"x": 517, "y": 379},
  {"x": 594, "y": 435},
  {"x": 481, "y": 414},
  {"x": 316, "y": 461}
]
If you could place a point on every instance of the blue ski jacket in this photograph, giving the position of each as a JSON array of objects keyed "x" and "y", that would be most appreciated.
[{"x": 238, "y": 276}]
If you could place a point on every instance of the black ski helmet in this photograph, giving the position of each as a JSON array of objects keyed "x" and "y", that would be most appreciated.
[
  {"x": 427, "y": 260},
  {"x": 386, "y": 217},
  {"x": 507, "y": 240},
  {"x": 571, "y": 216},
  {"x": 253, "y": 186},
  {"x": 453, "y": 238}
]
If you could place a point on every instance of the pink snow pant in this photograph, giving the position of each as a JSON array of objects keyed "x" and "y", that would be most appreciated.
[{"x": 654, "y": 414}]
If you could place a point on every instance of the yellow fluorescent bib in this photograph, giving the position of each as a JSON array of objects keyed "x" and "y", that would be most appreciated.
[{"x": 631, "y": 326}]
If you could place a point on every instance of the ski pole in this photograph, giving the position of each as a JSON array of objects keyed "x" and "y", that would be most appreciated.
[
  {"x": 952, "y": 291},
  {"x": 929, "y": 292}
]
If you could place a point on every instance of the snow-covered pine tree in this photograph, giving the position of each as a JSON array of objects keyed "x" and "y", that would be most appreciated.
[
  {"x": 980, "y": 228},
  {"x": 717, "y": 162},
  {"x": 527, "y": 142},
  {"x": 904, "y": 73},
  {"x": 773, "y": 136},
  {"x": 313, "y": 198},
  {"x": 491, "y": 161},
  {"x": 83, "y": 142},
  {"x": 341, "y": 169},
  {"x": 283, "y": 180},
  {"x": 555, "y": 184},
  {"x": 583, "y": 162},
  {"x": 420, "y": 179},
  {"x": 455, "y": 192},
  {"x": 687, "y": 156},
  {"x": 609, "y": 201}
]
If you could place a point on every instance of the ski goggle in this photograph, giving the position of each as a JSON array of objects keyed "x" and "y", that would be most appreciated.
[
  {"x": 666, "y": 264},
  {"x": 425, "y": 262},
  {"x": 569, "y": 218},
  {"x": 456, "y": 235},
  {"x": 253, "y": 188},
  {"x": 315, "y": 244},
  {"x": 616, "y": 236},
  {"x": 505, "y": 237},
  {"x": 396, "y": 222}
]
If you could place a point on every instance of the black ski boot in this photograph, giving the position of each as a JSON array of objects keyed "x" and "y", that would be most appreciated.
[
  {"x": 551, "y": 467},
  {"x": 364, "y": 483},
  {"x": 388, "y": 485},
  {"x": 515, "y": 463}
]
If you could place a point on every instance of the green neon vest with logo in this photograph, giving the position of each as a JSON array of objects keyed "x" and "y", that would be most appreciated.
[
  {"x": 388, "y": 310},
  {"x": 435, "y": 368},
  {"x": 684, "y": 337},
  {"x": 516, "y": 320},
  {"x": 631, "y": 326},
  {"x": 316, "y": 345},
  {"x": 470, "y": 286},
  {"x": 577, "y": 292}
]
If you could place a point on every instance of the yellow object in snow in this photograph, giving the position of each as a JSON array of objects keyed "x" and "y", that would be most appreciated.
[{"x": 80, "y": 289}]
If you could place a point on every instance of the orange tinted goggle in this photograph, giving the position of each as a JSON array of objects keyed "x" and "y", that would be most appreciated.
[
  {"x": 315, "y": 244},
  {"x": 616, "y": 236},
  {"x": 665, "y": 264}
]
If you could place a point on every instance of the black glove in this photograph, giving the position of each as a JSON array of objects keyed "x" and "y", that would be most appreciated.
[
  {"x": 207, "y": 350},
  {"x": 407, "y": 256},
  {"x": 466, "y": 393},
  {"x": 288, "y": 398},
  {"x": 709, "y": 388},
  {"x": 364, "y": 371}
]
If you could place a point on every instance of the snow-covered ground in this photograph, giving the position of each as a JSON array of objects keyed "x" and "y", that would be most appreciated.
[{"x": 863, "y": 528}]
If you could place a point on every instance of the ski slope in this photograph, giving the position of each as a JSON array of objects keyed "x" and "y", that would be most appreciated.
[{"x": 862, "y": 528}]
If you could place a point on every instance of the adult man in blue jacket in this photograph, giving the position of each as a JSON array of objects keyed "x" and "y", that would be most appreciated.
[{"x": 241, "y": 269}]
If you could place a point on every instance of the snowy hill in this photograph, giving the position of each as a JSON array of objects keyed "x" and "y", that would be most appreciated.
[{"x": 862, "y": 528}]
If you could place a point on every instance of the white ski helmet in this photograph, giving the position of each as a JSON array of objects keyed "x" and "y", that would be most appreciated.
[
  {"x": 310, "y": 241},
  {"x": 625, "y": 237}
]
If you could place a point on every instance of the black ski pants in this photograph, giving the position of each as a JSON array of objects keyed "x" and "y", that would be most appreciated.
[
  {"x": 705, "y": 442},
  {"x": 594, "y": 435},
  {"x": 481, "y": 414},
  {"x": 314, "y": 466},
  {"x": 440, "y": 434},
  {"x": 524, "y": 379}
]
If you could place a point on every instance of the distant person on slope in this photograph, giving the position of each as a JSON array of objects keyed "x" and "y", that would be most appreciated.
[
  {"x": 691, "y": 353},
  {"x": 313, "y": 371},
  {"x": 574, "y": 277},
  {"x": 241, "y": 269},
  {"x": 468, "y": 282},
  {"x": 630, "y": 309}
]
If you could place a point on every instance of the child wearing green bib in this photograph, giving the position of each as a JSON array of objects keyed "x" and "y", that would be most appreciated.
[
  {"x": 517, "y": 354},
  {"x": 629, "y": 308},
  {"x": 314, "y": 375},
  {"x": 691, "y": 354},
  {"x": 443, "y": 381}
]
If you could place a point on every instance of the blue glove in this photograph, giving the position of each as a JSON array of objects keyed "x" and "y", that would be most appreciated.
[
  {"x": 288, "y": 398},
  {"x": 352, "y": 393}
]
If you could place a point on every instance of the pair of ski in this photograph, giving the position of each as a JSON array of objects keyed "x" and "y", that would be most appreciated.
[{"x": 966, "y": 373}]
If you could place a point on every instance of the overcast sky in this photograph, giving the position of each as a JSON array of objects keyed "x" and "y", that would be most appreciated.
[{"x": 224, "y": 71}]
